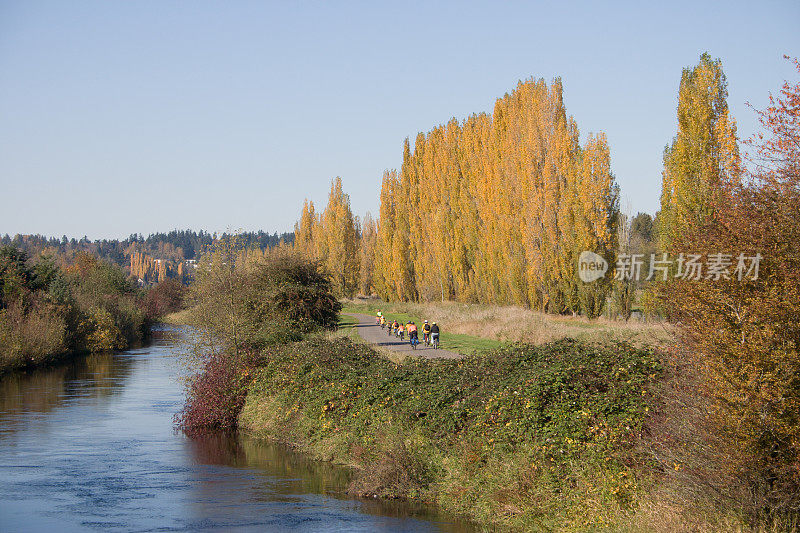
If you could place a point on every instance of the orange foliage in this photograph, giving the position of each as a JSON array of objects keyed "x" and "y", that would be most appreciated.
[{"x": 747, "y": 332}]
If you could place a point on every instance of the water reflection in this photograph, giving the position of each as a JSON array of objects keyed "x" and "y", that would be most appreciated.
[
  {"x": 242, "y": 451},
  {"x": 97, "y": 376},
  {"x": 285, "y": 474},
  {"x": 90, "y": 445}
]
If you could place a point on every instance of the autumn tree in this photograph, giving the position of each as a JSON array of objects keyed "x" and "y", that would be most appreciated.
[
  {"x": 702, "y": 155},
  {"x": 367, "y": 244},
  {"x": 742, "y": 321},
  {"x": 597, "y": 216},
  {"x": 497, "y": 207},
  {"x": 332, "y": 238},
  {"x": 305, "y": 229},
  {"x": 382, "y": 276}
]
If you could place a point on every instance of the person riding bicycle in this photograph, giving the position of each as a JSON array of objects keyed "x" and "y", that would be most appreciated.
[
  {"x": 383, "y": 321},
  {"x": 426, "y": 332},
  {"x": 434, "y": 333},
  {"x": 393, "y": 327},
  {"x": 412, "y": 332},
  {"x": 378, "y": 317},
  {"x": 400, "y": 332}
]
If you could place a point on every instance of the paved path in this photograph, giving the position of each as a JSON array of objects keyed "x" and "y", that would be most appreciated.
[{"x": 372, "y": 333}]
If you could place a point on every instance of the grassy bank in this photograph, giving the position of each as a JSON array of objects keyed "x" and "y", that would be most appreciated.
[
  {"x": 517, "y": 324},
  {"x": 529, "y": 437}
]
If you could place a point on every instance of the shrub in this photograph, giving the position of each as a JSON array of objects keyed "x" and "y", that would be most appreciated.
[
  {"x": 102, "y": 332},
  {"x": 248, "y": 305},
  {"x": 47, "y": 311},
  {"x": 248, "y": 301},
  {"x": 164, "y": 298},
  {"x": 32, "y": 337},
  {"x": 215, "y": 396}
]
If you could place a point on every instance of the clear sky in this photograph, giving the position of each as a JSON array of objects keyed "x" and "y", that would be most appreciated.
[{"x": 136, "y": 117}]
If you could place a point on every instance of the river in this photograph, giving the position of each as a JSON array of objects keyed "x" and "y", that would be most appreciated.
[{"x": 90, "y": 446}]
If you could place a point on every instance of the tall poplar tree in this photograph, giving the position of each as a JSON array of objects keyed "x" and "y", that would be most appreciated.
[
  {"x": 495, "y": 208},
  {"x": 702, "y": 155},
  {"x": 304, "y": 230},
  {"x": 338, "y": 239},
  {"x": 367, "y": 245}
]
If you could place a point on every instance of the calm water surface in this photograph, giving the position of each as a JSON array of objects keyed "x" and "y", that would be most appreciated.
[{"x": 90, "y": 446}]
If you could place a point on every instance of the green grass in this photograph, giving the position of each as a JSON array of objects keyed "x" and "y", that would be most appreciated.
[
  {"x": 456, "y": 342},
  {"x": 347, "y": 322},
  {"x": 178, "y": 318},
  {"x": 347, "y": 327}
]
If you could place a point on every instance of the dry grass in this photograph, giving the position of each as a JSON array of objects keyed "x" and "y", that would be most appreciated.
[{"x": 517, "y": 324}]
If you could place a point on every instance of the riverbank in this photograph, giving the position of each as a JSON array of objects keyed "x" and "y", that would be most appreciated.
[
  {"x": 50, "y": 312},
  {"x": 529, "y": 437}
]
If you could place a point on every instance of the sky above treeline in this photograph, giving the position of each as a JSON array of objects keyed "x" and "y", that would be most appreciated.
[{"x": 139, "y": 117}]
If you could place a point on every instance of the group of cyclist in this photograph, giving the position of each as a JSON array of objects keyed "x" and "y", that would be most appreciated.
[{"x": 430, "y": 331}]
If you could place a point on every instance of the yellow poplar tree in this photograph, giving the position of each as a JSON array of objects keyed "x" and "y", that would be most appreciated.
[
  {"x": 304, "y": 230},
  {"x": 495, "y": 208},
  {"x": 367, "y": 252},
  {"x": 702, "y": 155},
  {"x": 597, "y": 213},
  {"x": 338, "y": 241},
  {"x": 382, "y": 276}
]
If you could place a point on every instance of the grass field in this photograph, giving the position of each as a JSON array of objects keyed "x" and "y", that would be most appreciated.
[{"x": 478, "y": 327}]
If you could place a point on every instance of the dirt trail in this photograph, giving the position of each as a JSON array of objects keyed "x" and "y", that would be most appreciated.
[{"x": 372, "y": 333}]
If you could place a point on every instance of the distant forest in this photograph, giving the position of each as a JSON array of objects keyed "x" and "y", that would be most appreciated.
[{"x": 176, "y": 245}]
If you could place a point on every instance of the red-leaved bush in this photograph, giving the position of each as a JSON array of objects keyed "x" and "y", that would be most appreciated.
[{"x": 215, "y": 396}]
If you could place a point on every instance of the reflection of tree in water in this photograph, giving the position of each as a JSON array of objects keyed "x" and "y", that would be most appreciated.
[
  {"x": 297, "y": 474},
  {"x": 272, "y": 459},
  {"x": 44, "y": 389}
]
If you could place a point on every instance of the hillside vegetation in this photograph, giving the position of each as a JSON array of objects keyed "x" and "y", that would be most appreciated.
[{"x": 533, "y": 437}]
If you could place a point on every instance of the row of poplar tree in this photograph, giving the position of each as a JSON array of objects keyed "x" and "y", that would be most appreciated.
[{"x": 498, "y": 207}]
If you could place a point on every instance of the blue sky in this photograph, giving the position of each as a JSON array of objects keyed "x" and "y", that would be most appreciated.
[{"x": 123, "y": 117}]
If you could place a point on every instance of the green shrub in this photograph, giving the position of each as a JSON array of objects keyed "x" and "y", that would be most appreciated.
[
  {"x": 47, "y": 311},
  {"x": 102, "y": 332},
  {"x": 30, "y": 338},
  {"x": 247, "y": 301}
]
